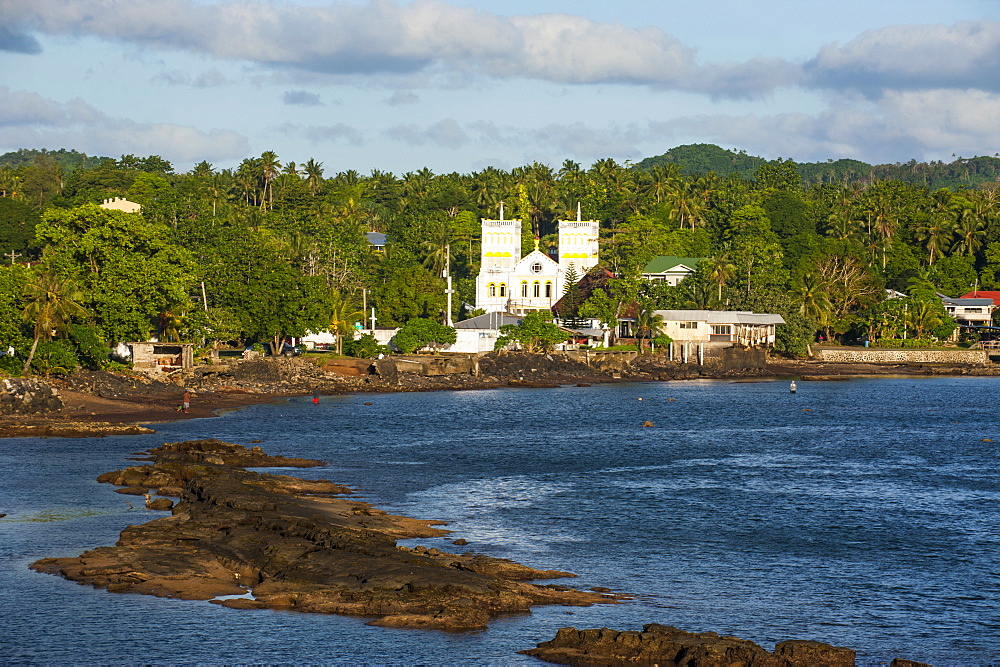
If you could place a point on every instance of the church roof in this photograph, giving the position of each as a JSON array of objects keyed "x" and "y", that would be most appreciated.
[{"x": 537, "y": 256}]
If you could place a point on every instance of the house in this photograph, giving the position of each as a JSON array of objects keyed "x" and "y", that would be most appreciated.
[
  {"x": 984, "y": 294},
  {"x": 121, "y": 204},
  {"x": 376, "y": 240},
  {"x": 480, "y": 333},
  {"x": 720, "y": 326},
  {"x": 670, "y": 270},
  {"x": 155, "y": 358},
  {"x": 972, "y": 311},
  {"x": 510, "y": 283}
]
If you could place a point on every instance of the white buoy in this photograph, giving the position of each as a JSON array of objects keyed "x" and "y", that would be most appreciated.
[{"x": 792, "y": 387}]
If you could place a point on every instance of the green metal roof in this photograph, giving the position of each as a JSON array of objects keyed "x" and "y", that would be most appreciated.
[{"x": 664, "y": 264}]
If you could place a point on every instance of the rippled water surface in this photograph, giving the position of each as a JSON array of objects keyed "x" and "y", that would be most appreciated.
[{"x": 860, "y": 513}]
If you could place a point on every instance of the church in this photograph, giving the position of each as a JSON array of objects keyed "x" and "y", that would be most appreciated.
[{"x": 510, "y": 283}]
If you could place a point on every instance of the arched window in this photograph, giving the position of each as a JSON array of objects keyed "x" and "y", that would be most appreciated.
[
  {"x": 536, "y": 289},
  {"x": 491, "y": 290},
  {"x": 503, "y": 289},
  {"x": 524, "y": 288},
  {"x": 548, "y": 289}
]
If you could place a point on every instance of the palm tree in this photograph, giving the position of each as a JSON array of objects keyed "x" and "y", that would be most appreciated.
[
  {"x": 936, "y": 233},
  {"x": 969, "y": 233},
  {"x": 812, "y": 293},
  {"x": 648, "y": 325},
  {"x": 662, "y": 179},
  {"x": 169, "y": 323},
  {"x": 343, "y": 315},
  {"x": 314, "y": 175},
  {"x": 720, "y": 270},
  {"x": 269, "y": 170},
  {"x": 52, "y": 304},
  {"x": 923, "y": 315}
]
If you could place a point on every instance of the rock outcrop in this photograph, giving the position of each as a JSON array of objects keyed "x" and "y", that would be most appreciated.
[
  {"x": 27, "y": 396},
  {"x": 665, "y": 645},
  {"x": 299, "y": 545}
]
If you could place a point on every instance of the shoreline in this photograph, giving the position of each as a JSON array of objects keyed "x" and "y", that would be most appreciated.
[{"x": 132, "y": 407}]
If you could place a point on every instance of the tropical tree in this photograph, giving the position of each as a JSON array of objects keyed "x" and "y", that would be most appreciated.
[
  {"x": 534, "y": 334},
  {"x": 422, "y": 332},
  {"x": 52, "y": 304},
  {"x": 648, "y": 325},
  {"x": 343, "y": 314},
  {"x": 720, "y": 271}
]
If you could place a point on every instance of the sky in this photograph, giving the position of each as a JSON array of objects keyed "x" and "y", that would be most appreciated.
[{"x": 459, "y": 85}]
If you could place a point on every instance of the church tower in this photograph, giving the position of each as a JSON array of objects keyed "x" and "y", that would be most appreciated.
[
  {"x": 501, "y": 249},
  {"x": 578, "y": 246}
]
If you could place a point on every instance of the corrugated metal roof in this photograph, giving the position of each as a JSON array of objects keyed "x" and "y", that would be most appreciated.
[
  {"x": 720, "y": 316},
  {"x": 488, "y": 321}
]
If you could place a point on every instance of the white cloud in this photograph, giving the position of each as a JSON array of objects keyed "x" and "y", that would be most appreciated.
[
  {"x": 963, "y": 55},
  {"x": 28, "y": 119},
  {"x": 384, "y": 37},
  {"x": 445, "y": 133},
  {"x": 900, "y": 125}
]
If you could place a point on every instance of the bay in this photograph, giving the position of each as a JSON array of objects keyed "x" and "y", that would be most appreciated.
[{"x": 859, "y": 513}]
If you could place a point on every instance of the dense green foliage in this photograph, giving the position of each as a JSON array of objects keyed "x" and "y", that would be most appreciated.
[
  {"x": 421, "y": 332},
  {"x": 697, "y": 159},
  {"x": 273, "y": 249},
  {"x": 533, "y": 334}
]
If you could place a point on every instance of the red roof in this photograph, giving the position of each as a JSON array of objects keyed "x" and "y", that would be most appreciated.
[{"x": 982, "y": 294}]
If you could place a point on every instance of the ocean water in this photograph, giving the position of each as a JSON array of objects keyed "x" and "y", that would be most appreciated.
[{"x": 861, "y": 513}]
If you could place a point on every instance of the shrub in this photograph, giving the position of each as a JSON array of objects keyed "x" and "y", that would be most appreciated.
[
  {"x": 55, "y": 356},
  {"x": 364, "y": 347},
  {"x": 906, "y": 343},
  {"x": 90, "y": 348}
]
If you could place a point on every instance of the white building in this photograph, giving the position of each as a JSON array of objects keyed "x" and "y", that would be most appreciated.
[
  {"x": 670, "y": 270},
  {"x": 121, "y": 204},
  {"x": 720, "y": 326},
  {"x": 508, "y": 282}
]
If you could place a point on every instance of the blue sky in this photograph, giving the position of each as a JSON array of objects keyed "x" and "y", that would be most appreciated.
[{"x": 457, "y": 85}]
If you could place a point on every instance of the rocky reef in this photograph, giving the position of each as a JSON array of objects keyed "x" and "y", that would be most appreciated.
[
  {"x": 669, "y": 647},
  {"x": 288, "y": 543},
  {"x": 664, "y": 645}
]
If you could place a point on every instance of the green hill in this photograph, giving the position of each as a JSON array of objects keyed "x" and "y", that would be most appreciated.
[{"x": 703, "y": 158}]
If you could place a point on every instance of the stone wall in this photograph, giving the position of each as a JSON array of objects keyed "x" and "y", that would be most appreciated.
[
  {"x": 856, "y": 355},
  {"x": 25, "y": 396}
]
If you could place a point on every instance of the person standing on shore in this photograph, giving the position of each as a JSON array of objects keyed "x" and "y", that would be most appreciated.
[{"x": 186, "y": 399}]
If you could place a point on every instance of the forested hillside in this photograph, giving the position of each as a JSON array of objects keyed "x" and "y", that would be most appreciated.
[
  {"x": 962, "y": 172},
  {"x": 276, "y": 247}
]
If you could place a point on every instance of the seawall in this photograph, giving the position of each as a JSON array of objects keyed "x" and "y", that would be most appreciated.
[{"x": 886, "y": 356}]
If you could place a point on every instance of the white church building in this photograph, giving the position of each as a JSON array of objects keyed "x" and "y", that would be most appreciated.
[{"x": 508, "y": 282}]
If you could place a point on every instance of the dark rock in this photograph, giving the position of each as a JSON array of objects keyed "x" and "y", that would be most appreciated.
[
  {"x": 460, "y": 542},
  {"x": 804, "y": 652},
  {"x": 133, "y": 491},
  {"x": 386, "y": 370},
  {"x": 299, "y": 545},
  {"x": 900, "y": 662},
  {"x": 665, "y": 645},
  {"x": 160, "y": 504},
  {"x": 28, "y": 396}
]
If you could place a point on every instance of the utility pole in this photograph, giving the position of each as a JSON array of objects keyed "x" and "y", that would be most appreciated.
[{"x": 448, "y": 290}]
